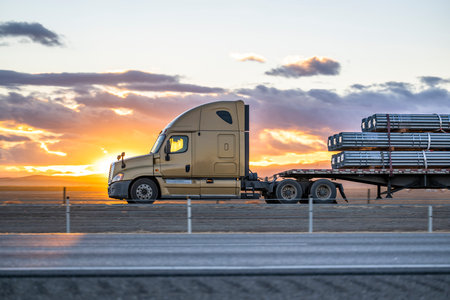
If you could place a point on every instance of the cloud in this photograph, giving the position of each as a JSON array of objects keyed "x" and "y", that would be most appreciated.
[
  {"x": 31, "y": 111},
  {"x": 309, "y": 67},
  {"x": 34, "y": 31},
  {"x": 433, "y": 80},
  {"x": 248, "y": 57},
  {"x": 128, "y": 80},
  {"x": 323, "y": 112},
  {"x": 8, "y": 78},
  {"x": 282, "y": 121},
  {"x": 172, "y": 87},
  {"x": 14, "y": 138}
]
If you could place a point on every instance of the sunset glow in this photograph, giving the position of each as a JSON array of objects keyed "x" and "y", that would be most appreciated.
[
  {"x": 293, "y": 136},
  {"x": 73, "y": 97},
  {"x": 122, "y": 111},
  {"x": 292, "y": 158}
]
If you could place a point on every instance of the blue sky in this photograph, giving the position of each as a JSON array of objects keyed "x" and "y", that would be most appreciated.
[
  {"x": 322, "y": 66},
  {"x": 374, "y": 41}
]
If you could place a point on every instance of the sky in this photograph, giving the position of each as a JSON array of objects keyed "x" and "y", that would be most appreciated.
[{"x": 81, "y": 82}]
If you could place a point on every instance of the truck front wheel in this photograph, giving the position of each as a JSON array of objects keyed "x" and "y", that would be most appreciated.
[
  {"x": 144, "y": 190},
  {"x": 289, "y": 191},
  {"x": 323, "y": 191}
]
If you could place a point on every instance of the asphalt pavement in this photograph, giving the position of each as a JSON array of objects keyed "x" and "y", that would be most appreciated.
[
  {"x": 224, "y": 253},
  {"x": 225, "y": 266}
]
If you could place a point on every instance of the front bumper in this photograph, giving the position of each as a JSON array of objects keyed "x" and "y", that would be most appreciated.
[{"x": 119, "y": 189}]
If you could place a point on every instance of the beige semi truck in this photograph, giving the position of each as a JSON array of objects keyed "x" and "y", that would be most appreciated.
[{"x": 204, "y": 153}]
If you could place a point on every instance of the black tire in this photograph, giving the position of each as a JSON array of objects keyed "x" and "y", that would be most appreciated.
[
  {"x": 288, "y": 191},
  {"x": 144, "y": 190},
  {"x": 323, "y": 191}
]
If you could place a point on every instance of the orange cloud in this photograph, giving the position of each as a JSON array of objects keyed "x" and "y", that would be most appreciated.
[
  {"x": 248, "y": 57},
  {"x": 308, "y": 67}
]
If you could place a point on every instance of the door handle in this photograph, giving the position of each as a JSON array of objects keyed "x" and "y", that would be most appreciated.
[{"x": 188, "y": 168}]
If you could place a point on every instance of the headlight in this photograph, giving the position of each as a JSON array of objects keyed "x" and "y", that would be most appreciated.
[{"x": 118, "y": 177}]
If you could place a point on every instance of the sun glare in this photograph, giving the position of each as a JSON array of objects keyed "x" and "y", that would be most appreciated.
[
  {"x": 292, "y": 158},
  {"x": 122, "y": 111},
  {"x": 293, "y": 136}
]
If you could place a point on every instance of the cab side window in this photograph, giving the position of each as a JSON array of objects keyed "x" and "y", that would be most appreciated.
[{"x": 178, "y": 143}]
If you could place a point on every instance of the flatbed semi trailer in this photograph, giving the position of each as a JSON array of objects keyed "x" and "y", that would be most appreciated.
[{"x": 204, "y": 153}]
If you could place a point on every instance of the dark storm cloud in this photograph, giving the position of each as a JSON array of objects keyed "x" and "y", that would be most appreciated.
[
  {"x": 130, "y": 80},
  {"x": 13, "y": 138},
  {"x": 34, "y": 31},
  {"x": 309, "y": 67}
]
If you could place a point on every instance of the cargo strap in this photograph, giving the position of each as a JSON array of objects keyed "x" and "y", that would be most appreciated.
[
  {"x": 389, "y": 143},
  {"x": 425, "y": 159},
  {"x": 440, "y": 123},
  {"x": 429, "y": 141}
]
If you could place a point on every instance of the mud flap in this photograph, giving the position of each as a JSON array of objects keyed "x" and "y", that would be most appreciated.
[{"x": 341, "y": 191}]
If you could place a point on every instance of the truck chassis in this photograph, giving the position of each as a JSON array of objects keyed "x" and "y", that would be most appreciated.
[{"x": 313, "y": 184}]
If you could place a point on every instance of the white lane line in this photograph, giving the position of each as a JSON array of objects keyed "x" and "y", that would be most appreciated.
[{"x": 230, "y": 268}]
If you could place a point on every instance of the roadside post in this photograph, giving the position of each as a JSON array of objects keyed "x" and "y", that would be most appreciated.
[
  {"x": 310, "y": 230},
  {"x": 430, "y": 218},
  {"x": 64, "y": 195},
  {"x": 67, "y": 214},
  {"x": 189, "y": 216}
]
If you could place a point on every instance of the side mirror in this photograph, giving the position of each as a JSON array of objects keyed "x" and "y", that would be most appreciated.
[
  {"x": 123, "y": 163},
  {"x": 167, "y": 150}
]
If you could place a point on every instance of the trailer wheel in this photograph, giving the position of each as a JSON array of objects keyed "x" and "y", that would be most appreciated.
[
  {"x": 289, "y": 191},
  {"x": 144, "y": 190},
  {"x": 323, "y": 191}
]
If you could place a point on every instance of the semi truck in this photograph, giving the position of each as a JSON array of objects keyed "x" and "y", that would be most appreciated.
[{"x": 204, "y": 154}]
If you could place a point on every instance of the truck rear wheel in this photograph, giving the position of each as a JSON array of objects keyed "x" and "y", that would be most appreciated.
[
  {"x": 289, "y": 191},
  {"x": 323, "y": 191},
  {"x": 144, "y": 190}
]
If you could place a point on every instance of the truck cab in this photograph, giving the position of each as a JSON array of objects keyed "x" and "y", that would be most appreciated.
[{"x": 203, "y": 153}]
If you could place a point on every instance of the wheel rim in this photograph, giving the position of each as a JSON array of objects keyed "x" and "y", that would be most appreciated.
[
  {"x": 288, "y": 192},
  {"x": 323, "y": 192},
  {"x": 144, "y": 192}
]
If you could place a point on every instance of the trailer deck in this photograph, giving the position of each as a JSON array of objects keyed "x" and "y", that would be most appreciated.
[{"x": 394, "y": 179}]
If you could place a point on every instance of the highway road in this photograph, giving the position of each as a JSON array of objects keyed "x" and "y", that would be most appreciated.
[
  {"x": 225, "y": 253},
  {"x": 280, "y": 265}
]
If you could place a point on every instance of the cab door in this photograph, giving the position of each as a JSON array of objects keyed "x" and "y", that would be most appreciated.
[
  {"x": 176, "y": 166},
  {"x": 177, "y": 161}
]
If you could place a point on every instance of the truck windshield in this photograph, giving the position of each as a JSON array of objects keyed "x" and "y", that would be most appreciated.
[{"x": 158, "y": 143}]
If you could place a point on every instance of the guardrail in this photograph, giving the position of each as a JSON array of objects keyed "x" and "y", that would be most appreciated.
[{"x": 190, "y": 215}]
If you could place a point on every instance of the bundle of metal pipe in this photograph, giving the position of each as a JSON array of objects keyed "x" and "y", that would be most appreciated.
[
  {"x": 398, "y": 141},
  {"x": 407, "y": 122},
  {"x": 383, "y": 159}
]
